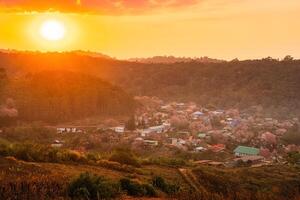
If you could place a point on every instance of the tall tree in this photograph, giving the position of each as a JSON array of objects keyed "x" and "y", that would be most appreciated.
[{"x": 130, "y": 125}]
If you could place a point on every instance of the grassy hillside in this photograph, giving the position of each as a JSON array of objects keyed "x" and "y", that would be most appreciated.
[
  {"x": 32, "y": 180},
  {"x": 29, "y": 180},
  {"x": 268, "y": 82},
  {"x": 263, "y": 183}
]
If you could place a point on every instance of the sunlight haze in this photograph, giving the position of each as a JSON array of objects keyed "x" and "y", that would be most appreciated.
[{"x": 222, "y": 29}]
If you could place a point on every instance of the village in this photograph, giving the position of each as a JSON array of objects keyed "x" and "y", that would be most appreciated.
[{"x": 226, "y": 137}]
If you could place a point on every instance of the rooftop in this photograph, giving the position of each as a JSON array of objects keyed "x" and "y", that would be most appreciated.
[{"x": 246, "y": 150}]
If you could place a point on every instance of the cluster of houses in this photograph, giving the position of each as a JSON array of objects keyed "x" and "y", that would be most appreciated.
[{"x": 247, "y": 136}]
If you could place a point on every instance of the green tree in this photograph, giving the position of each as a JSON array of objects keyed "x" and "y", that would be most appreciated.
[
  {"x": 93, "y": 187},
  {"x": 124, "y": 156},
  {"x": 130, "y": 125}
]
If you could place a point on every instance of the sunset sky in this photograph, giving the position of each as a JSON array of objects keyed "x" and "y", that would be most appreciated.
[{"x": 224, "y": 29}]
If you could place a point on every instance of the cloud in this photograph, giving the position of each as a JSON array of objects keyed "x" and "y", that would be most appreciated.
[{"x": 106, "y": 7}]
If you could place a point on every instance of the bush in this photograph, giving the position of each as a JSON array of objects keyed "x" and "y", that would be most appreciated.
[
  {"x": 132, "y": 188},
  {"x": 149, "y": 190},
  {"x": 161, "y": 184},
  {"x": 4, "y": 148},
  {"x": 39, "y": 153},
  {"x": 294, "y": 157},
  {"x": 125, "y": 156},
  {"x": 117, "y": 166},
  {"x": 89, "y": 186},
  {"x": 171, "y": 162},
  {"x": 33, "y": 133},
  {"x": 135, "y": 189}
]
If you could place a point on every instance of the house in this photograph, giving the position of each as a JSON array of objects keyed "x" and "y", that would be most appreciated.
[
  {"x": 57, "y": 144},
  {"x": 246, "y": 151},
  {"x": 119, "y": 129},
  {"x": 197, "y": 114},
  {"x": 166, "y": 125},
  {"x": 178, "y": 142},
  {"x": 151, "y": 142},
  {"x": 60, "y": 130},
  {"x": 200, "y": 149},
  {"x": 157, "y": 129},
  {"x": 68, "y": 130},
  {"x": 202, "y": 135},
  {"x": 145, "y": 132},
  {"x": 180, "y": 105},
  {"x": 217, "y": 147},
  {"x": 217, "y": 112},
  {"x": 174, "y": 141}
]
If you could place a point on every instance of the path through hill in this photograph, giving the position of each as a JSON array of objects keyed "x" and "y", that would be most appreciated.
[{"x": 190, "y": 178}]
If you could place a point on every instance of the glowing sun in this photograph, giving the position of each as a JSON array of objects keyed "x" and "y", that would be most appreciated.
[{"x": 52, "y": 30}]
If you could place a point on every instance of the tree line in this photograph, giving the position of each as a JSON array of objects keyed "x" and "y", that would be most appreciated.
[{"x": 271, "y": 83}]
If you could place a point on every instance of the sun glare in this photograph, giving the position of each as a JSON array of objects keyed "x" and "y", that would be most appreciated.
[{"x": 52, "y": 30}]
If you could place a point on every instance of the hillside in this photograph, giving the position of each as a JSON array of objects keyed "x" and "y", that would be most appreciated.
[
  {"x": 39, "y": 180},
  {"x": 172, "y": 59},
  {"x": 58, "y": 96},
  {"x": 271, "y": 83},
  {"x": 264, "y": 183}
]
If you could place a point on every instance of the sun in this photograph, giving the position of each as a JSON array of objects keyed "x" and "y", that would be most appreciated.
[{"x": 52, "y": 30}]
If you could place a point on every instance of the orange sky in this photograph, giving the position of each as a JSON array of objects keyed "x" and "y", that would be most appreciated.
[{"x": 216, "y": 28}]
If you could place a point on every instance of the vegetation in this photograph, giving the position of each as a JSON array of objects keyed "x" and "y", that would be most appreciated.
[
  {"x": 135, "y": 189},
  {"x": 294, "y": 157},
  {"x": 130, "y": 125},
  {"x": 168, "y": 188},
  {"x": 88, "y": 186},
  {"x": 57, "y": 96},
  {"x": 32, "y": 133},
  {"x": 268, "y": 82},
  {"x": 293, "y": 135},
  {"x": 39, "y": 153},
  {"x": 264, "y": 183},
  {"x": 166, "y": 161},
  {"x": 124, "y": 156}
]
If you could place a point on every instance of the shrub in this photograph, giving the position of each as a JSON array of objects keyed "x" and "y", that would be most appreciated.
[
  {"x": 135, "y": 189},
  {"x": 132, "y": 188},
  {"x": 39, "y": 153},
  {"x": 92, "y": 187},
  {"x": 149, "y": 190},
  {"x": 116, "y": 166},
  {"x": 124, "y": 156},
  {"x": 73, "y": 156},
  {"x": 161, "y": 184},
  {"x": 4, "y": 148},
  {"x": 171, "y": 162},
  {"x": 294, "y": 157},
  {"x": 33, "y": 133}
]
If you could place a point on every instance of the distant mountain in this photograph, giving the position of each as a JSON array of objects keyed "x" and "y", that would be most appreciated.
[
  {"x": 91, "y": 54},
  {"x": 172, "y": 59}
]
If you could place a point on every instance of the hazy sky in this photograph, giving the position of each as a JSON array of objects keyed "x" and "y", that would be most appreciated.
[{"x": 141, "y": 28}]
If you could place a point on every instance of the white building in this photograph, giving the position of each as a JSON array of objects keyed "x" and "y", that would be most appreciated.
[{"x": 119, "y": 129}]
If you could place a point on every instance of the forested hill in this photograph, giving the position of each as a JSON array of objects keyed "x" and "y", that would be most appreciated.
[
  {"x": 57, "y": 96},
  {"x": 271, "y": 83}
]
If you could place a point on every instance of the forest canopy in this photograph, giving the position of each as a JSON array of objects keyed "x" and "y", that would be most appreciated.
[
  {"x": 271, "y": 83},
  {"x": 56, "y": 96}
]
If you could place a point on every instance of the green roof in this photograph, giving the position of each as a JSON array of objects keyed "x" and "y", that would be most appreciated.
[{"x": 246, "y": 150}]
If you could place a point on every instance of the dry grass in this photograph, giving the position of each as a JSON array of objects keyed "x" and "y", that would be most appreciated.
[{"x": 30, "y": 180}]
